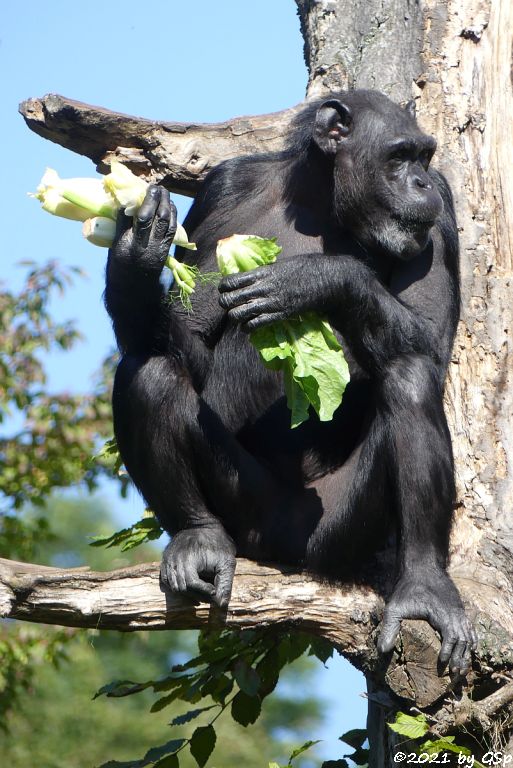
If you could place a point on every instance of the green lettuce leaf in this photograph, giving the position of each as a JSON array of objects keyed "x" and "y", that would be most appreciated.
[{"x": 305, "y": 349}]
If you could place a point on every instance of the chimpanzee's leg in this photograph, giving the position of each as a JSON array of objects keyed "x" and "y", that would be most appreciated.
[
  {"x": 200, "y": 482},
  {"x": 408, "y": 449}
]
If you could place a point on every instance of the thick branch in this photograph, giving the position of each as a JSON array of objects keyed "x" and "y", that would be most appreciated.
[
  {"x": 132, "y": 599},
  {"x": 178, "y": 154}
]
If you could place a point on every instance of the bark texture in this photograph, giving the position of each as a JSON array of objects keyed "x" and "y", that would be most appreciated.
[
  {"x": 178, "y": 155},
  {"x": 455, "y": 58},
  {"x": 132, "y": 598}
]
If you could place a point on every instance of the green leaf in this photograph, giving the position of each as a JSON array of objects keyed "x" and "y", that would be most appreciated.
[
  {"x": 355, "y": 737},
  {"x": 322, "y": 649},
  {"x": 192, "y": 714},
  {"x": 246, "y": 677},
  {"x": 305, "y": 349},
  {"x": 268, "y": 669},
  {"x": 302, "y": 748},
  {"x": 165, "y": 701},
  {"x": 171, "y": 761},
  {"x": 409, "y": 726},
  {"x": 245, "y": 709},
  {"x": 157, "y": 753},
  {"x": 293, "y": 646},
  {"x": 120, "y": 688},
  {"x": 446, "y": 743},
  {"x": 144, "y": 530},
  {"x": 218, "y": 687},
  {"x": 241, "y": 253},
  {"x": 335, "y": 764},
  {"x": 202, "y": 743}
]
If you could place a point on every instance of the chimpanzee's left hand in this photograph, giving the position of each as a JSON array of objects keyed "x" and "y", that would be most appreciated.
[{"x": 287, "y": 288}]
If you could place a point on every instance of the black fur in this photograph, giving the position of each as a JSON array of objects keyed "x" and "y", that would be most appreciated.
[{"x": 369, "y": 241}]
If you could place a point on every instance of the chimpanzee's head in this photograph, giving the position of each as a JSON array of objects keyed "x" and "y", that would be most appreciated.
[{"x": 383, "y": 192}]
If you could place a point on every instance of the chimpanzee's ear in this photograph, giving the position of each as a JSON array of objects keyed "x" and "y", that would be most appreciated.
[
  {"x": 332, "y": 124},
  {"x": 410, "y": 108}
]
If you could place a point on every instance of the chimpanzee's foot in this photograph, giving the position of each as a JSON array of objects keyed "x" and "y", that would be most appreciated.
[
  {"x": 431, "y": 595},
  {"x": 200, "y": 563}
]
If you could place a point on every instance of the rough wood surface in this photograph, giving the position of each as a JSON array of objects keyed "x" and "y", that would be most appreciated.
[
  {"x": 370, "y": 44},
  {"x": 132, "y": 599},
  {"x": 179, "y": 155}
]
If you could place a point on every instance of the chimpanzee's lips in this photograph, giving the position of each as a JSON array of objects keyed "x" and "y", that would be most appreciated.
[{"x": 414, "y": 224}]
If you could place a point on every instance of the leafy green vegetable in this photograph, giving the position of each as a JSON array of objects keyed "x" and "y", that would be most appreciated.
[
  {"x": 410, "y": 726},
  {"x": 305, "y": 349}
]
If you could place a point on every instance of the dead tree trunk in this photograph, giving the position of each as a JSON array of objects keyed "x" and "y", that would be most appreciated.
[{"x": 454, "y": 57}]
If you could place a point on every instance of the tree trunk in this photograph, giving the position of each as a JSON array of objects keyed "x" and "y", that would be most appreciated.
[{"x": 454, "y": 57}]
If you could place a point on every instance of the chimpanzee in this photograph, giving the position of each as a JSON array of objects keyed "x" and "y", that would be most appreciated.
[{"x": 370, "y": 243}]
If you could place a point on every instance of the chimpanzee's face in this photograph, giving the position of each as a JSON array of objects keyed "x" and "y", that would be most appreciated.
[{"x": 383, "y": 192}]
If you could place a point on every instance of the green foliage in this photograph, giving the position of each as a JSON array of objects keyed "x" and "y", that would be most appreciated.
[
  {"x": 147, "y": 529},
  {"x": 57, "y": 432},
  {"x": 413, "y": 727},
  {"x": 122, "y": 724},
  {"x": 296, "y": 753},
  {"x": 21, "y": 651},
  {"x": 416, "y": 727},
  {"x": 233, "y": 670},
  {"x": 356, "y": 738}
]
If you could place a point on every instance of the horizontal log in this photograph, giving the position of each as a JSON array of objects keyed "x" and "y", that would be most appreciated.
[
  {"x": 133, "y": 599},
  {"x": 179, "y": 155}
]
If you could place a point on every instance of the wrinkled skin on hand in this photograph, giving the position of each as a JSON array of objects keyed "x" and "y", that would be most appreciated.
[
  {"x": 145, "y": 240},
  {"x": 433, "y": 597},
  {"x": 276, "y": 292},
  {"x": 200, "y": 562}
]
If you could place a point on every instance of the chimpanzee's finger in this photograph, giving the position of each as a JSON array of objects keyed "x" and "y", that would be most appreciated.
[
  {"x": 449, "y": 641},
  {"x": 164, "y": 224},
  {"x": 231, "y": 299},
  {"x": 123, "y": 224},
  {"x": 266, "y": 318},
  {"x": 389, "y": 632},
  {"x": 241, "y": 279},
  {"x": 144, "y": 220},
  {"x": 459, "y": 663},
  {"x": 223, "y": 581}
]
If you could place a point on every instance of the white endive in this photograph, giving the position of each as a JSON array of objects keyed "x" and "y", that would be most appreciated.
[
  {"x": 127, "y": 189},
  {"x": 97, "y": 202},
  {"x": 99, "y": 231},
  {"x": 77, "y": 198}
]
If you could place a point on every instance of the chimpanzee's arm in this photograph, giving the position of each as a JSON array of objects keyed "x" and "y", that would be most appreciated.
[
  {"x": 376, "y": 324},
  {"x": 134, "y": 296},
  {"x": 145, "y": 321}
]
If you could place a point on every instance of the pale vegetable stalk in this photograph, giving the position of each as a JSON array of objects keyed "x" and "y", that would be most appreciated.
[{"x": 96, "y": 202}]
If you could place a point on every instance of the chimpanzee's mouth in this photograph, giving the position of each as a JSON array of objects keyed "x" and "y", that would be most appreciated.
[{"x": 414, "y": 225}]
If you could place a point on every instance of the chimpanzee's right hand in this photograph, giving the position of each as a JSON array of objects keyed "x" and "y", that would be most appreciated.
[
  {"x": 200, "y": 563},
  {"x": 143, "y": 243}
]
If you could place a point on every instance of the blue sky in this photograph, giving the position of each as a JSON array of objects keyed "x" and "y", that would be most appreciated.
[{"x": 181, "y": 60}]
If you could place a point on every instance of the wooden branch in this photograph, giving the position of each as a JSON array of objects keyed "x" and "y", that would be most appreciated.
[
  {"x": 132, "y": 599},
  {"x": 177, "y": 154}
]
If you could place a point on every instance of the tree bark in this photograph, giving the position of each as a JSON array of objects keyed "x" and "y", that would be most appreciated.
[{"x": 455, "y": 58}]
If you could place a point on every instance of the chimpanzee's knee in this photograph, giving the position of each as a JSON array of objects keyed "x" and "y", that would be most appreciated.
[{"x": 410, "y": 381}]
